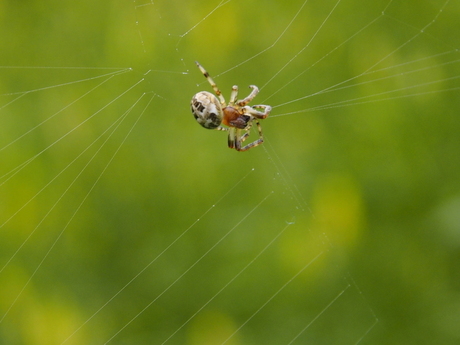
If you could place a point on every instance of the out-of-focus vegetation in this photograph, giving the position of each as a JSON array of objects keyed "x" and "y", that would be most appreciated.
[{"x": 357, "y": 189}]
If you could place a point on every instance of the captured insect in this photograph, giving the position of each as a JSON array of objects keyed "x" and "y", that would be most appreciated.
[{"x": 211, "y": 111}]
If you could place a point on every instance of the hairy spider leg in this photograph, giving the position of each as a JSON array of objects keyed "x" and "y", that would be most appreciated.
[
  {"x": 245, "y": 101},
  {"x": 231, "y": 137},
  {"x": 258, "y": 114},
  {"x": 213, "y": 84},
  {"x": 233, "y": 96},
  {"x": 243, "y": 137}
]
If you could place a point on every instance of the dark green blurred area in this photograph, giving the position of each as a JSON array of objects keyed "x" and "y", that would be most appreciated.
[{"x": 343, "y": 227}]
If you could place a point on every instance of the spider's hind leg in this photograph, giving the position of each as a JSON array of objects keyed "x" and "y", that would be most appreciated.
[
  {"x": 242, "y": 138},
  {"x": 232, "y": 138}
]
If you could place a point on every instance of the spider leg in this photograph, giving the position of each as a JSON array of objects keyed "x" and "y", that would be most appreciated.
[
  {"x": 256, "y": 113},
  {"x": 233, "y": 96},
  {"x": 247, "y": 130},
  {"x": 232, "y": 138},
  {"x": 235, "y": 139},
  {"x": 220, "y": 128},
  {"x": 213, "y": 84},
  {"x": 254, "y": 92},
  {"x": 254, "y": 143}
]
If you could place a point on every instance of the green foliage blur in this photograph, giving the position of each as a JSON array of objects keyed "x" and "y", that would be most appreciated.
[{"x": 134, "y": 225}]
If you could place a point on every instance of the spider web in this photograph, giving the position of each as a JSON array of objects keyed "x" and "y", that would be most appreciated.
[{"x": 123, "y": 221}]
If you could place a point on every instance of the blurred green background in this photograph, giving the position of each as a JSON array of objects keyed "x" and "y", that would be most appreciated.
[{"x": 122, "y": 220}]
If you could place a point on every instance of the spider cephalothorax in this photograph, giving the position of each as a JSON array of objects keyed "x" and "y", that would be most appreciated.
[{"x": 211, "y": 111}]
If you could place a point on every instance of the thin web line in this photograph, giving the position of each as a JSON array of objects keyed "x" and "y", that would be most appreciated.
[
  {"x": 222, "y": 3},
  {"x": 21, "y": 166},
  {"x": 296, "y": 194},
  {"x": 273, "y": 296},
  {"x": 352, "y": 103},
  {"x": 270, "y": 46},
  {"x": 322, "y": 58},
  {"x": 193, "y": 265},
  {"x": 371, "y": 68},
  {"x": 305, "y": 47},
  {"x": 79, "y": 206},
  {"x": 68, "y": 83},
  {"x": 159, "y": 255},
  {"x": 13, "y": 100},
  {"x": 228, "y": 283},
  {"x": 116, "y": 122},
  {"x": 58, "y": 112},
  {"x": 318, "y": 315},
  {"x": 382, "y": 78}
]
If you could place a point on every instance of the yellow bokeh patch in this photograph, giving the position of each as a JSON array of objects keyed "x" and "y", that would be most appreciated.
[
  {"x": 338, "y": 210},
  {"x": 212, "y": 327}
]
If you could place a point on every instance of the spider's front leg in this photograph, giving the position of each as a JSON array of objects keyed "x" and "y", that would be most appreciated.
[
  {"x": 254, "y": 92},
  {"x": 233, "y": 96},
  {"x": 256, "y": 113},
  {"x": 212, "y": 83}
]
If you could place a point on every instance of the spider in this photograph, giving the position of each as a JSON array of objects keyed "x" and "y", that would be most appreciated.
[{"x": 210, "y": 111}]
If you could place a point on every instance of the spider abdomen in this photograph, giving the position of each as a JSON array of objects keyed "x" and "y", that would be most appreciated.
[{"x": 207, "y": 110}]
